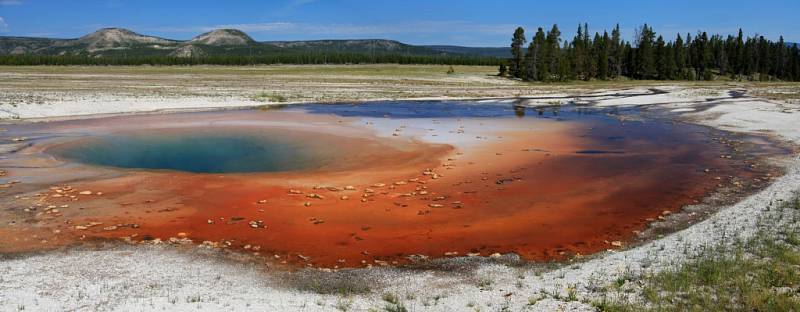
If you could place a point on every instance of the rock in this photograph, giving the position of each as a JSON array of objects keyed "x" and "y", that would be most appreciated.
[
  {"x": 451, "y": 254},
  {"x": 85, "y": 193},
  {"x": 304, "y": 258},
  {"x": 307, "y": 204},
  {"x": 417, "y": 258},
  {"x": 378, "y": 185},
  {"x": 316, "y": 196},
  {"x": 110, "y": 228},
  {"x": 345, "y": 197},
  {"x": 435, "y": 205},
  {"x": 495, "y": 255},
  {"x": 257, "y": 224},
  {"x": 81, "y": 227},
  {"x": 261, "y": 202},
  {"x": 182, "y": 235},
  {"x": 350, "y": 188},
  {"x": 616, "y": 244},
  {"x": 295, "y": 192}
]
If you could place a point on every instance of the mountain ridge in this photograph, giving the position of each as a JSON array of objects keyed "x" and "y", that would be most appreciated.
[{"x": 115, "y": 41}]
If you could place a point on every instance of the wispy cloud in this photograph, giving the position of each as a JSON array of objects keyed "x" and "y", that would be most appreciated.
[
  {"x": 10, "y": 2},
  {"x": 3, "y": 25}
]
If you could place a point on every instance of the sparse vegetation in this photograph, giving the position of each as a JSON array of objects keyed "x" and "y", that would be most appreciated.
[
  {"x": 343, "y": 284},
  {"x": 393, "y": 303},
  {"x": 269, "y": 97},
  {"x": 759, "y": 275}
]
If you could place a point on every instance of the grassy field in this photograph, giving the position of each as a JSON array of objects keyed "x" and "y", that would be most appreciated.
[{"x": 303, "y": 83}]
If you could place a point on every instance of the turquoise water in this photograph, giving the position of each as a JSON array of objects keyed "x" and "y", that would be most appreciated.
[{"x": 197, "y": 151}]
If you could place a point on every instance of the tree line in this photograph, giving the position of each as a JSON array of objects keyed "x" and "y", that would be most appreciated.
[
  {"x": 237, "y": 60},
  {"x": 648, "y": 56}
]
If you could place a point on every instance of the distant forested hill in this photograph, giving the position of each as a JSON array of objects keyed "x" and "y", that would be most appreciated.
[
  {"x": 228, "y": 46},
  {"x": 503, "y": 52}
]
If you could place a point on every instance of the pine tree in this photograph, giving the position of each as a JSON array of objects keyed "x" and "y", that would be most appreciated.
[
  {"x": 646, "y": 63},
  {"x": 553, "y": 51},
  {"x": 579, "y": 54},
  {"x": 661, "y": 58},
  {"x": 564, "y": 65},
  {"x": 616, "y": 51},
  {"x": 680, "y": 56},
  {"x": 534, "y": 63},
  {"x": 671, "y": 65},
  {"x": 517, "y": 59},
  {"x": 602, "y": 45},
  {"x": 503, "y": 70}
]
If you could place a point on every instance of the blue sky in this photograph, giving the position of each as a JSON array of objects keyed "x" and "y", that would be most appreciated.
[{"x": 466, "y": 22}]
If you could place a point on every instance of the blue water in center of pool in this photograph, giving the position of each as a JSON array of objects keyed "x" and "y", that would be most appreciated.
[{"x": 201, "y": 152}]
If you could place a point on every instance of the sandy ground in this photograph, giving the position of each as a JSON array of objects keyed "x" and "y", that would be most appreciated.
[{"x": 163, "y": 278}]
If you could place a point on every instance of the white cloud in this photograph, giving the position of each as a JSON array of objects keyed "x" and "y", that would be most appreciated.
[{"x": 3, "y": 25}]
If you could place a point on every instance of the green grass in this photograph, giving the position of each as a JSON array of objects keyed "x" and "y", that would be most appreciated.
[
  {"x": 760, "y": 275},
  {"x": 269, "y": 97},
  {"x": 393, "y": 303}
]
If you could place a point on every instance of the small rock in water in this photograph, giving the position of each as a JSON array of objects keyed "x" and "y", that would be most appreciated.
[
  {"x": 85, "y": 193},
  {"x": 317, "y": 196}
]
